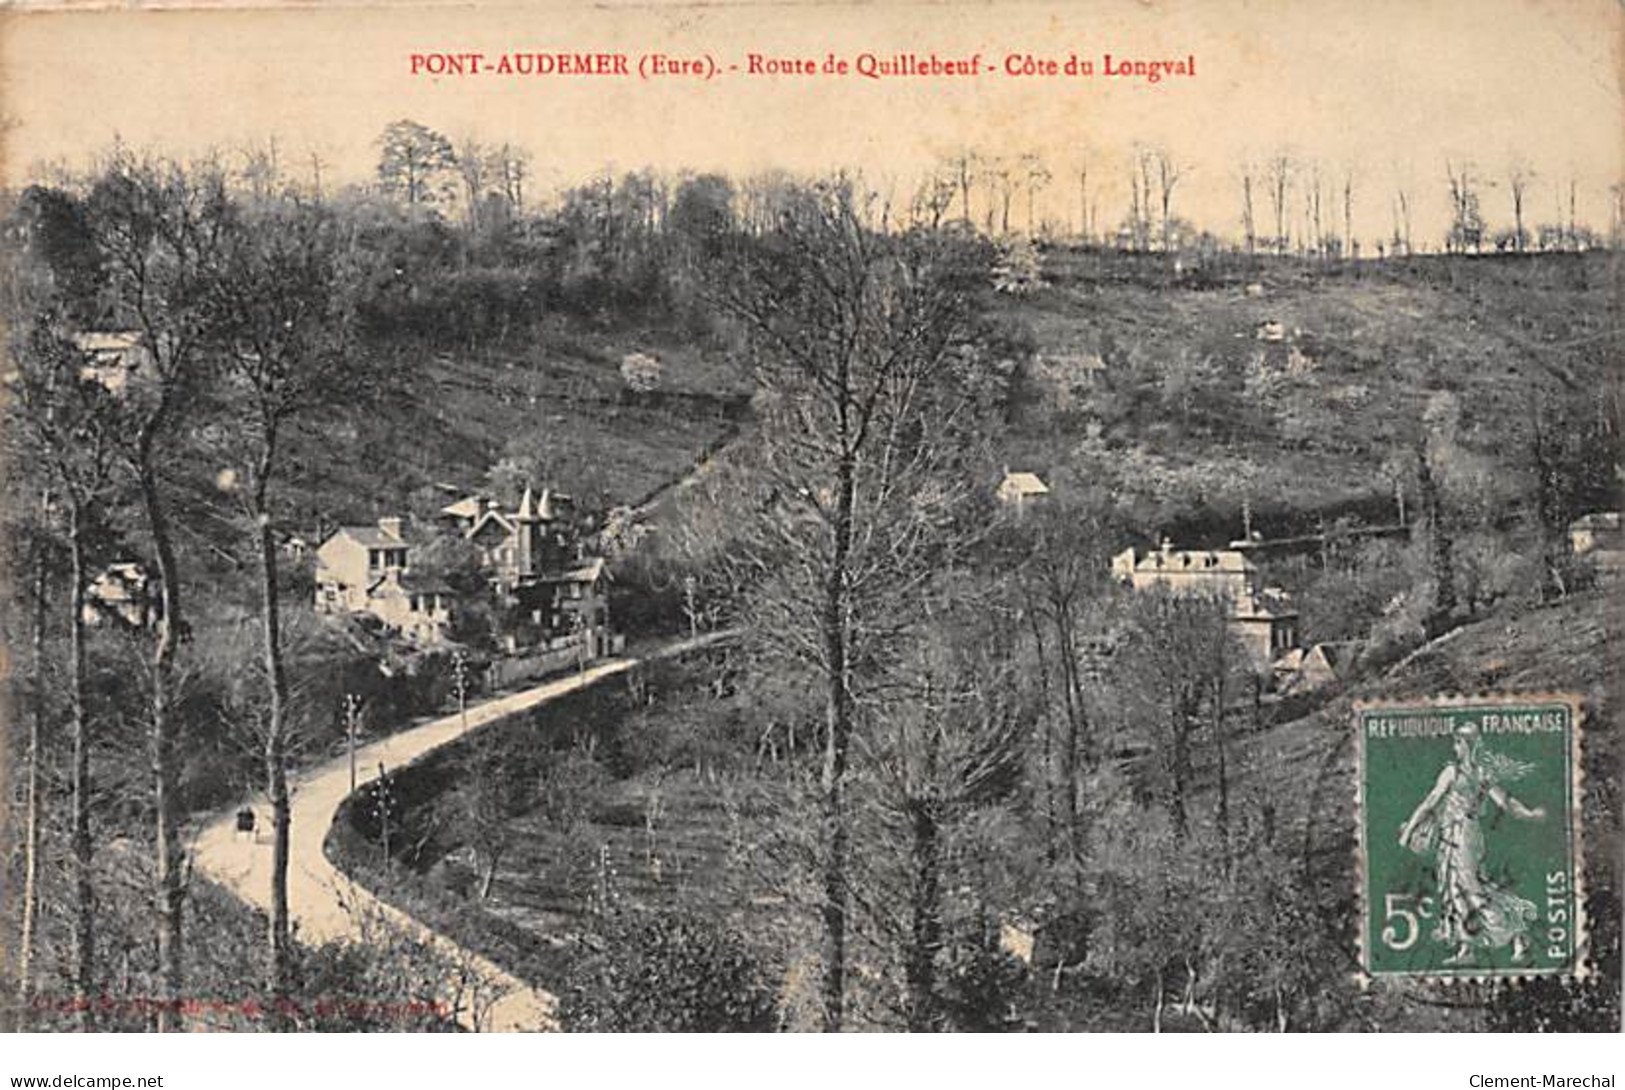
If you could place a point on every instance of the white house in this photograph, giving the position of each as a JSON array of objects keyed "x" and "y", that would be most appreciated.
[
  {"x": 1263, "y": 618},
  {"x": 365, "y": 569},
  {"x": 112, "y": 359},
  {"x": 126, "y": 593}
]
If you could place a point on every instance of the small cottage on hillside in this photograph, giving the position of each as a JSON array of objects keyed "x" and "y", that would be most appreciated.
[
  {"x": 125, "y": 594},
  {"x": 1598, "y": 530},
  {"x": 1598, "y": 538},
  {"x": 112, "y": 359},
  {"x": 1302, "y": 671},
  {"x": 1020, "y": 489}
]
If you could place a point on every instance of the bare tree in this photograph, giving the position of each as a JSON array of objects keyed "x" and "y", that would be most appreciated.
[
  {"x": 1279, "y": 175},
  {"x": 1168, "y": 175},
  {"x": 1002, "y": 180},
  {"x": 474, "y": 167},
  {"x": 1519, "y": 177},
  {"x": 1035, "y": 176},
  {"x": 1466, "y": 232},
  {"x": 949, "y": 736},
  {"x": 1402, "y": 219},
  {"x": 1249, "y": 228},
  {"x": 262, "y": 169},
  {"x": 1061, "y": 585},
  {"x": 864, "y": 405},
  {"x": 1574, "y": 223},
  {"x": 512, "y": 166},
  {"x": 33, "y": 755},
  {"x": 1177, "y": 659},
  {"x": 317, "y": 166},
  {"x": 1351, "y": 249},
  {"x": 279, "y": 318},
  {"x": 1315, "y": 232},
  {"x": 159, "y": 228},
  {"x": 69, "y": 423},
  {"x": 933, "y": 199},
  {"x": 965, "y": 170},
  {"x": 1083, "y": 202},
  {"x": 1141, "y": 176}
]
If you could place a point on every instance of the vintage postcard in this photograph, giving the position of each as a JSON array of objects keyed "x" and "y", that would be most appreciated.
[{"x": 811, "y": 517}]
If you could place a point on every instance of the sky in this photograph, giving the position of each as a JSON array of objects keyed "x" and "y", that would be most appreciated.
[{"x": 1381, "y": 90}]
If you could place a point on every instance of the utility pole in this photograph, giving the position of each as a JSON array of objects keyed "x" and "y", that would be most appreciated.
[
  {"x": 460, "y": 676},
  {"x": 384, "y": 802},
  {"x": 690, "y": 606},
  {"x": 352, "y": 720}
]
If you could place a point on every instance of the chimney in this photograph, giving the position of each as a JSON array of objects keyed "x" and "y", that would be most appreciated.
[{"x": 390, "y": 526}]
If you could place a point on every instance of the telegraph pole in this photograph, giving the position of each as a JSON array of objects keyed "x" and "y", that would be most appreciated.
[
  {"x": 691, "y": 606},
  {"x": 384, "y": 800},
  {"x": 460, "y": 678},
  {"x": 352, "y": 719}
]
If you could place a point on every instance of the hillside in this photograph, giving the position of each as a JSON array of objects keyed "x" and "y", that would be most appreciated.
[
  {"x": 1564, "y": 647},
  {"x": 1307, "y": 767},
  {"x": 1189, "y": 411},
  {"x": 455, "y": 416}
]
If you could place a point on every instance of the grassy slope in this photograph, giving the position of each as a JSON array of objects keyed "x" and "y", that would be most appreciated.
[
  {"x": 451, "y": 417},
  {"x": 1305, "y": 768},
  {"x": 1382, "y": 342},
  {"x": 1308, "y": 764}
]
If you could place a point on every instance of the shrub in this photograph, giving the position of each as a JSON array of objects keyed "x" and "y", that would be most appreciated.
[{"x": 669, "y": 973}]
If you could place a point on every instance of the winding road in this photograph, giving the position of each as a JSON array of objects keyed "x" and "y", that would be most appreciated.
[{"x": 327, "y": 905}]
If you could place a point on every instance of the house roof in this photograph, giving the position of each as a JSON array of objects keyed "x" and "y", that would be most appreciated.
[
  {"x": 99, "y": 342},
  {"x": 1089, "y": 361},
  {"x": 491, "y": 516},
  {"x": 1025, "y": 484},
  {"x": 1225, "y": 561},
  {"x": 1292, "y": 659},
  {"x": 541, "y": 508},
  {"x": 1270, "y": 604},
  {"x": 413, "y": 583},
  {"x": 533, "y": 507},
  {"x": 1596, "y": 520},
  {"x": 1338, "y": 656},
  {"x": 1260, "y": 611},
  {"x": 119, "y": 582},
  {"x": 589, "y": 570},
  {"x": 372, "y": 537},
  {"x": 469, "y": 507}
]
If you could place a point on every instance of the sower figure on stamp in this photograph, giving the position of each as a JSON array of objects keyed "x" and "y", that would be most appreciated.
[{"x": 1474, "y": 911}]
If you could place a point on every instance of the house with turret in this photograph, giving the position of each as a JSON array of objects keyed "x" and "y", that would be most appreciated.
[{"x": 538, "y": 565}]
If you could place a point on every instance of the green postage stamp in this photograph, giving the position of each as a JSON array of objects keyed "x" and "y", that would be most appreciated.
[{"x": 1469, "y": 837}]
